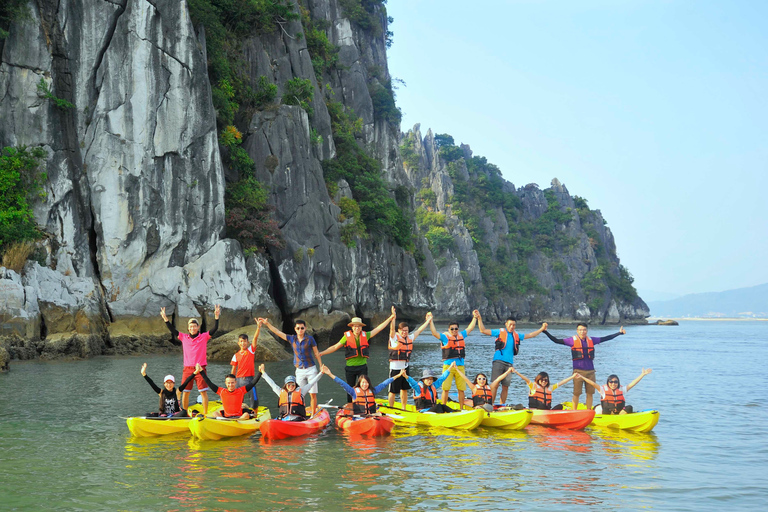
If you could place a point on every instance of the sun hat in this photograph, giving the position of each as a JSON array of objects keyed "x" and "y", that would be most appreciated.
[
  {"x": 356, "y": 321},
  {"x": 169, "y": 378},
  {"x": 290, "y": 378},
  {"x": 193, "y": 321},
  {"x": 427, "y": 374}
]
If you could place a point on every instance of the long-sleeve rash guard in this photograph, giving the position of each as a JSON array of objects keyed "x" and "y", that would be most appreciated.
[{"x": 582, "y": 364}]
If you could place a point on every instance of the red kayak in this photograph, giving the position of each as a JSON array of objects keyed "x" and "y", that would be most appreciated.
[
  {"x": 372, "y": 426},
  {"x": 278, "y": 429},
  {"x": 568, "y": 420}
]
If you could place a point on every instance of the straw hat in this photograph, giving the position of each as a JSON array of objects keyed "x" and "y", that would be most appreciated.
[{"x": 356, "y": 321}]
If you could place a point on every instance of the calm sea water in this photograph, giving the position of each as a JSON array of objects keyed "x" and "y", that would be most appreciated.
[{"x": 64, "y": 446}]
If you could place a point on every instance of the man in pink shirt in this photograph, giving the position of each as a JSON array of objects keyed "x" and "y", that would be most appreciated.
[{"x": 195, "y": 348}]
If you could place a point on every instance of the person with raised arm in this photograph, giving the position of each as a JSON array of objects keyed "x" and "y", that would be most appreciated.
[
  {"x": 400, "y": 348},
  {"x": 482, "y": 392},
  {"x": 425, "y": 391},
  {"x": 291, "y": 397},
  {"x": 507, "y": 347},
  {"x": 356, "y": 343},
  {"x": 452, "y": 344},
  {"x": 612, "y": 398},
  {"x": 363, "y": 393},
  {"x": 194, "y": 344},
  {"x": 243, "y": 366},
  {"x": 540, "y": 392},
  {"x": 306, "y": 357},
  {"x": 583, "y": 353},
  {"x": 170, "y": 403},
  {"x": 231, "y": 396}
]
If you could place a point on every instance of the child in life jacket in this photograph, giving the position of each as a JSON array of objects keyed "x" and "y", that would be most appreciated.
[
  {"x": 363, "y": 394},
  {"x": 482, "y": 392},
  {"x": 540, "y": 392},
  {"x": 612, "y": 399},
  {"x": 291, "y": 398},
  {"x": 170, "y": 399},
  {"x": 231, "y": 395}
]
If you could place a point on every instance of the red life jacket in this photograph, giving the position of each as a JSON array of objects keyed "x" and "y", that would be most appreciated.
[
  {"x": 427, "y": 396},
  {"x": 352, "y": 350},
  {"x": 455, "y": 347},
  {"x": 614, "y": 402},
  {"x": 578, "y": 351},
  {"x": 291, "y": 403},
  {"x": 541, "y": 399},
  {"x": 501, "y": 341},
  {"x": 365, "y": 402},
  {"x": 403, "y": 350},
  {"x": 482, "y": 395}
]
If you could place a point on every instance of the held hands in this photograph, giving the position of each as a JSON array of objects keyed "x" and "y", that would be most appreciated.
[
  {"x": 261, "y": 368},
  {"x": 645, "y": 371},
  {"x": 622, "y": 331},
  {"x": 217, "y": 311},
  {"x": 327, "y": 371},
  {"x": 144, "y": 370},
  {"x": 511, "y": 369},
  {"x": 576, "y": 376},
  {"x": 428, "y": 318},
  {"x": 453, "y": 366},
  {"x": 394, "y": 313},
  {"x": 476, "y": 314},
  {"x": 401, "y": 374},
  {"x": 162, "y": 314},
  {"x": 544, "y": 326},
  {"x": 198, "y": 368}
]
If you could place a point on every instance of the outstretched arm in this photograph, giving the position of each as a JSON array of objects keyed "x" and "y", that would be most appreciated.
[
  {"x": 588, "y": 381},
  {"x": 330, "y": 350},
  {"x": 255, "y": 340},
  {"x": 423, "y": 326},
  {"x": 466, "y": 379},
  {"x": 317, "y": 355},
  {"x": 214, "y": 387},
  {"x": 149, "y": 381},
  {"x": 564, "y": 381},
  {"x": 274, "y": 330},
  {"x": 642, "y": 374},
  {"x": 216, "y": 316},
  {"x": 501, "y": 377},
  {"x": 536, "y": 332},
  {"x": 556, "y": 340},
  {"x": 526, "y": 379},
  {"x": 169, "y": 325},
  {"x": 480, "y": 325},
  {"x": 383, "y": 324},
  {"x": 392, "y": 325},
  {"x": 432, "y": 326},
  {"x": 471, "y": 325},
  {"x": 306, "y": 387},
  {"x": 275, "y": 388},
  {"x": 378, "y": 389}
]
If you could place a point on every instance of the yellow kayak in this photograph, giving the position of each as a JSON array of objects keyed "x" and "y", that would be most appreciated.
[
  {"x": 141, "y": 426},
  {"x": 462, "y": 420},
  {"x": 641, "y": 421},
  {"x": 506, "y": 420},
  {"x": 208, "y": 428}
]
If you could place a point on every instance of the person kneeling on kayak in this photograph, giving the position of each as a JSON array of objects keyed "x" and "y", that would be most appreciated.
[
  {"x": 425, "y": 391},
  {"x": 482, "y": 392},
  {"x": 363, "y": 394},
  {"x": 291, "y": 397},
  {"x": 540, "y": 392},
  {"x": 170, "y": 402},
  {"x": 612, "y": 394},
  {"x": 231, "y": 396}
]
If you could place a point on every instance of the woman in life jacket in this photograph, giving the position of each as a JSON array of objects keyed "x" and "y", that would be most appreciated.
[
  {"x": 290, "y": 396},
  {"x": 540, "y": 392},
  {"x": 612, "y": 399},
  {"x": 425, "y": 391},
  {"x": 363, "y": 394},
  {"x": 170, "y": 397},
  {"x": 482, "y": 392}
]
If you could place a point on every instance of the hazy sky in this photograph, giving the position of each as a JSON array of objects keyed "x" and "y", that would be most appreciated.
[{"x": 654, "y": 111}]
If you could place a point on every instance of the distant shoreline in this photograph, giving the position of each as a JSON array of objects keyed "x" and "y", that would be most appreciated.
[{"x": 703, "y": 319}]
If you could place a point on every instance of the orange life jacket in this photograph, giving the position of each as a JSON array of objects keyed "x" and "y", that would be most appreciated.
[
  {"x": 352, "y": 350},
  {"x": 403, "y": 350},
  {"x": 614, "y": 402},
  {"x": 482, "y": 395},
  {"x": 427, "y": 396},
  {"x": 540, "y": 399},
  {"x": 365, "y": 402},
  {"x": 578, "y": 351},
  {"x": 291, "y": 403},
  {"x": 501, "y": 341},
  {"x": 455, "y": 347}
]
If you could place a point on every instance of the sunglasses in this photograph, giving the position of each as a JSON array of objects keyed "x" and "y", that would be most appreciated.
[
  {"x": 613, "y": 382},
  {"x": 453, "y": 329},
  {"x": 300, "y": 328}
]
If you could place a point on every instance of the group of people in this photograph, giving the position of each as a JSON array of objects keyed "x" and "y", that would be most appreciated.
[{"x": 240, "y": 400}]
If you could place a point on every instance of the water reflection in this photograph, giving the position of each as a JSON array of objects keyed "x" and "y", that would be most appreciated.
[{"x": 642, "y": 446}]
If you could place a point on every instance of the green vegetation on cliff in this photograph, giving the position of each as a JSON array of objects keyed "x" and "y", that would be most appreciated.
[{"x": 21, "y": 181}]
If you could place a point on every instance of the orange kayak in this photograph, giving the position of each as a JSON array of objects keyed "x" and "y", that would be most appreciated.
[
  {"x": 278, "y": 429},
  {"x": 564, "y": 419},
  {"x": 371, "y": 426}
]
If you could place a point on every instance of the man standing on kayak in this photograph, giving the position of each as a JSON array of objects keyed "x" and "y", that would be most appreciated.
[
  {"x": 194, "y": 346},
  {"x": 356, "y": 345},
  {"x": 452, "y": 343},
  {"x": 400, "y": 348},
  {"x": 507, "y": 346},
  {"x": 583, "y": 353}
]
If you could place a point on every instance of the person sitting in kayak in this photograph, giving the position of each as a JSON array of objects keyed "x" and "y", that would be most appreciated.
[
  {"x": 540, "y": 392},
  {"x": 363, "y": 394},
  {"x": 425, "y": 391},
  {"x": 231, "y": 396},
  {"x": 291, "y": 397},
  {"x": 170, "y": 403},
  {"x": 612, "y": 394},
  {"x": 482, "y": 392}
]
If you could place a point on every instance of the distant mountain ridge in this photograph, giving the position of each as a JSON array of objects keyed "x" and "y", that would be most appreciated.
[{"x": 749, "y": 302}]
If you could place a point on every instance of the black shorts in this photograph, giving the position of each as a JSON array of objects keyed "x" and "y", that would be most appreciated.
[{"x": 399, "y": 384}]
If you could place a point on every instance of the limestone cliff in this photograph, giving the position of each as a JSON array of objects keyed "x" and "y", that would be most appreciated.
[{"x": 135, "y": 206}]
